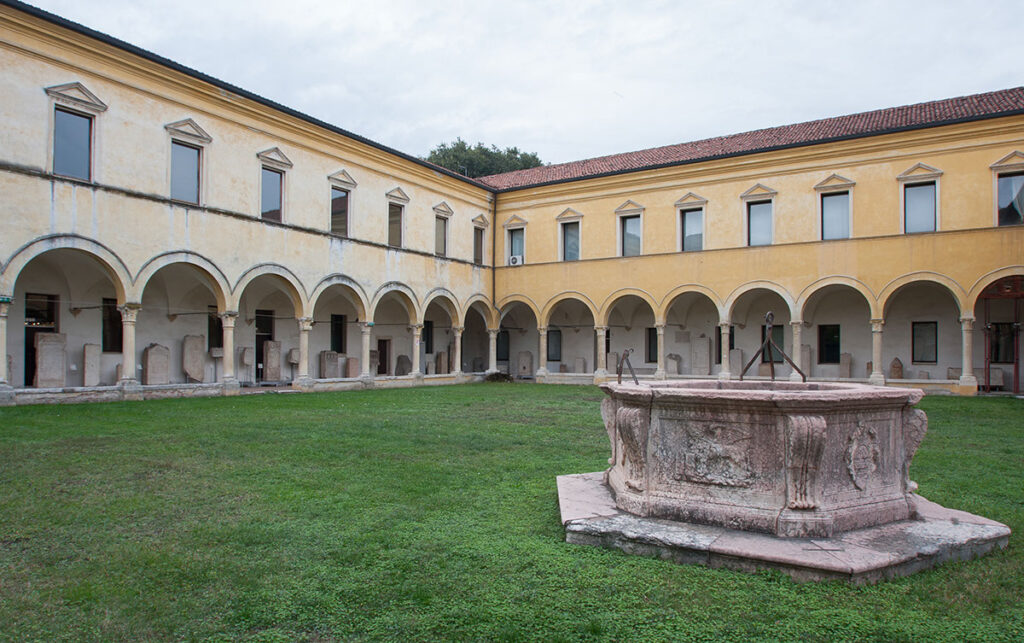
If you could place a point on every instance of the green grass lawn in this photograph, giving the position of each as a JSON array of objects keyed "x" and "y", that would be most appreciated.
[{"x": 424, "y": 514}]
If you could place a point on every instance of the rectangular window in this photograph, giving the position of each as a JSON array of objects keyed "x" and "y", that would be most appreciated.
[
  {"x": 778, "y": 335},
  {"x": 441, "y": 236},
  {"x": 338, "y": 328},
  {"x": 571, "y": 241},
  {"x": 835, "y": 216},
  {"x": 919, "y": 207},
  {"x": 478, "y": 245},
  {"x": 214, "y": 329},
  {"x": 516, "y": 242},
  {"x": 924, "y": 342},
  {"x": 629, "y": 232},
  {"x": 339, "y": 211},
  {"x": 828, "y": 344},
  {"x": 759, "y": 223},
  {"x": 1011, "y": 199},
  {"x": 111, "y": 326},
  {"x": 1002, "y": 343},
  {"x": 428, "y": 336},
  {"x": 184, "y": 172},
  {"x": 692, "y": 229},
  {"x": 72, "y": 145},
  {"x": 502, "y": 346},
  {"x": 718, "y": 344},
  {"x": 554, "y": 345},
  {"x": 651, "y": 346},
  {"x": 394, "y": 225},
  {"x": 270, "y": 194}
]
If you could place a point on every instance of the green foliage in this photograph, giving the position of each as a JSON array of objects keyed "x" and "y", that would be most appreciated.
[
  {"x": 480, "y": 160},
  {"x": 425, "y": 514}
]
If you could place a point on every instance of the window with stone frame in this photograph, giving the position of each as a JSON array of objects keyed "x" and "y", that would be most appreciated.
[
  {"x": 185, "y": 160},
  {"x": 759, "y": 223},
  {"x": 651, "y": 346},
  {"x": 111, "y": 327},
  {"x": 835, "y": 215},
  {"x": 395, "y": 212},
  {"x": 72, "y": 144},
  {"x": 778, "y": 336},
  {"x": 554, "y": 345},
  {"x": 924, "y": 342},
  {"x": 339, "y": 211},
  {"x": 271, "y": 193},
  {"x": 214, "y": 328},
  {"x": 478, "y": 245},
  {"x": 1011, "y": 198},
  {"x": 919, "y": 208},
  {"x": 828, "y": 344}
]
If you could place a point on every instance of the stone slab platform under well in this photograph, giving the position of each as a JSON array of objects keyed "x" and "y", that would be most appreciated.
[{"x": 867, "y": 555}]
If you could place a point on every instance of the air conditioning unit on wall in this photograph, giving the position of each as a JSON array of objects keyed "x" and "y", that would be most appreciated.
[{"x": 515, "y": 260}]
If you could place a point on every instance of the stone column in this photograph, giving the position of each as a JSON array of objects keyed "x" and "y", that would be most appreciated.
[
  {"x": 967, "y": 377},
  {"x": 659, "y": 373},
  {"x": 542, "y": 359},
  {"x": 457, "y": 350},
  {"x": 417, "y": 332},
  {"x": 6, "y": 392},
  {"x": 230, "y": 380},
  {"x": 877, "y": 376},
  {"x": 492, "y": 350},
  {"x": 305, "y": 325},
  {"x": 798, "y": 326},
  {"x": 724, "y": 373},
  {"x": 364, "y": 366},
  {"x": 129, "y": 374},
  {"x": 602, "y": 356}
]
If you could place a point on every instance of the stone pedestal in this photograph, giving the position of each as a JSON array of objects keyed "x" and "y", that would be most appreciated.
[
  {"x": 700, "y": 348},
  {"x": 524, "y": 364},
  {"x": 896, "y": 369},
  {"x": 329, "y": 368},
  {"x": 271, "y": 361},
  {"x": 91, "y": 364},
  {"x": 441, "y": 361},
  {"x": 845, "y": 365},
  {"x": 193, "y": 351},
  {"x": 352, "y": 367},
  {"x": 736, "y": 361},
  {"x": 156, "y": 365},
  {"x": 579, "y": 365},
  {"x": 51, "y": 360},
  {"x": 294, "y": 357},
  {"x": 676, "y": 361}
]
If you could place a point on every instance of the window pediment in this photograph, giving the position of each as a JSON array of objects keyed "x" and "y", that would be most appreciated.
[
  {"x": 515, "y": 221},
  {"x": 442, "y": 209},
  {"x": 189, "y": 130},
  {"x": 835, "y": 183},
  {"x": 758, "y": 191},
  {"x": 397, "y": 195},
  {"x": 76, "y": 95},
  {"x": 480, "y": 221},
  {"x": 274, "y": 157},
  {"x": 569, "y": 214},
  {"x": 691, "y": 200},
  {"x": 1012, "y": 162},
  {"x": 630, "y": 207},
  {"x": 342, "y": 179},
  {"x": 919, "y": 172}
]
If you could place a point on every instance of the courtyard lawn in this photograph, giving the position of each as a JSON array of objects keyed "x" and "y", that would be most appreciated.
[{"x": 425, "y": 514}]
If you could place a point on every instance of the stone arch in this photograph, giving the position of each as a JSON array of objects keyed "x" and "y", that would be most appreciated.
[
  {"x": 447, "y": 300},
  {"x": 560, "y": 297},
  {"x": 504, "y": 304},
  {"x": 609, "y": 304},
  {"x": 955, "y": 290},
  {"x": 351, "y": 286},
  {"x": 735, "y": 295},
  {"x": 404, "y": 294},
  {"x": 107, "y": 258},
  {"x": 291, "y": 285},
  {"x": 988, "y": 279},
  {"x": 838, "y": 280},
  {"x": 481, "y": 304},
  {"x": 668, "y": 300},
  {"x": 214, "y": 277}
]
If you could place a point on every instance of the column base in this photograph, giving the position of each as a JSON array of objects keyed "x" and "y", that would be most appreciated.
[
  {"x": 230, "y": 387},
  {"x": 367, "y": 380},
  {"x": 659, "y": 374},
  {"x": 724, "y": 375},
  {"x": 541, "y": 372},
  {"x": 130, "y": 389},
  {"x": 6, "y": 395},
  {"x": 601, "y": 372},
  {"x": 303, "y": 383},
  {"x": 795, "y": 377},
  {"x": 877, "y": 379}
]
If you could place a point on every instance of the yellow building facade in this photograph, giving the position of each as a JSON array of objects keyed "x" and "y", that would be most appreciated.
[{"x": 167, "y": 234}]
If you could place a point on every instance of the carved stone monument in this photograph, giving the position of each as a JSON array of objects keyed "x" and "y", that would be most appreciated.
[
  {"x": 524, "y": 364},
  {"x": 271, "y": 361},
  {"x": 441, "y": 360},
  {"x": 403, "y": 365},
  {"x": 51, "y": 360},
  {"x": 845, "y": 365},
  {"x": 896, "y": 369},
  {"x": 193, "y": 351},
  {"x": 352, "y": 367},
  {"x": 736, "y": 362},
  {"x": 579, "y": 365},
  {"x": 329, "y": 368},
  {"x": 700, "y": 359},
  {"x": 676, "y": 359},
  {"x": 374, "y": 361},
  {"x": 156, "y": 365},
  {"x": 294, "y": 357},
  {"x": 91, "y": 365}
]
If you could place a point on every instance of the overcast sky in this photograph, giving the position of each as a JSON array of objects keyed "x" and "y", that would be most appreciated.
[{"x": 576, "y": 79}]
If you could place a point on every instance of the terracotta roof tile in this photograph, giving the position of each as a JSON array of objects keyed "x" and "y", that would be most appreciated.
[{"x": 882, "y": 121}]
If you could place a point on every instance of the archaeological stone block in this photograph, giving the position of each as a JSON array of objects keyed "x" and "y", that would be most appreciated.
[
  {"x": 374, "y": 361},
  {"x": 736, "y": 362},
  {"x": 441, "y": 360},
  {"x": 677, "y": 360},
  {"x": 923, "y": 375},
  {"x": 91, "y": 364},
  {"x": 563, "y": 367},
  {"x": 579, "y": 365},
  {"x": 845, "y": 365},
  {"x": 156, "y": 365},
  {"x": 51, "y": 360},
  {"x": 700, "y": 348},
  {"x": 193, "y": 351},
  {"x": 272, "y": 361},
  {"x": 805, "y": 357},
  {"x": 525, "y": 364},
  {"x": 612, "y": 361},
  {"x": 352, "y": 367},
  {"x": 403, "y": 365},
  {"x": 329, "y": 368},
  {"x": 294, "y": 357},
  {"x": 896, "y": 369},
  {"x": 248, "y": 356}
]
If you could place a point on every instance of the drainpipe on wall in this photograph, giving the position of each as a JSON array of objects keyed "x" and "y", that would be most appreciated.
[{"x": 494, "y": 256}]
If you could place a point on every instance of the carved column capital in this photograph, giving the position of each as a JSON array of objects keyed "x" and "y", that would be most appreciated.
[
  {"x": 129, "y": 312},
  {"x": 305, "y": 324},
  {"x": 796, "y": 322},
  {"x": 542, "y": 330},
  {"x": 967, "y": 322},
  {"x": 4, "y": 306},
  {"x": 493, "y": 332},
  {"x": 601, "y": 329},
  {"x": 458, "y": 330},
  {"x": 365, "y": 327},
  {"x": 876, "y": 325},
  {"x": 725, "y": 325}
]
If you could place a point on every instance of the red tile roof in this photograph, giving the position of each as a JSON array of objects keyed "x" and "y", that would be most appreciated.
[{"x": 882, "y": 121}]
